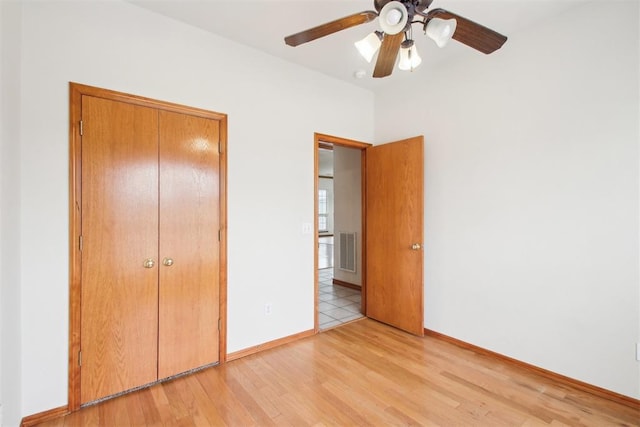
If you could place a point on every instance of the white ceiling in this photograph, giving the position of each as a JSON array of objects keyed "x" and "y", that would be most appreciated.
[{"x": 263, "y": 24}]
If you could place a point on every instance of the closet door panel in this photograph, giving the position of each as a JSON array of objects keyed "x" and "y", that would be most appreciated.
[
  {"x": 119, "y": 232},
  {"x": 189, "y": 247}
]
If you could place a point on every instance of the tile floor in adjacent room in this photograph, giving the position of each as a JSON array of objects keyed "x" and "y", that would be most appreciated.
[{"x": 337, "y": 304}]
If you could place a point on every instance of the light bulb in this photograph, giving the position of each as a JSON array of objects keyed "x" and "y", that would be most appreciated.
[
  {"x": 369, "y": 45},
  {"x": 441, "y": 30},
  {"x": 409, "y": 58},
  {"x": 394, "y": 16}
]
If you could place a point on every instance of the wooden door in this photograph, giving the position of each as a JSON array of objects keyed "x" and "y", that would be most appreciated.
[
  {"x": 148, "y": 242},
  {"x": 119, "y": 230},
  {"x": 394, "y": 223},
  {"x": 189, "y": 246}
]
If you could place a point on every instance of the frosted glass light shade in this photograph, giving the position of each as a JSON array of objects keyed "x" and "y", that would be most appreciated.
[
  {"x": 369, "y": 45},
  {"x": 409, "y": 58},
  {"x": 441, "y": 30},
  {"x": 393, "y": 17}
]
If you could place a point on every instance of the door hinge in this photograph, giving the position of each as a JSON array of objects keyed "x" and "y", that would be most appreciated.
[
  {"x": 219, "y": 234},
  {"x": 219, "y": 148},
  {"x": 80, "y": 358},
  {"x": 81, "y": 129},
  {"x": 219, "y": 323},
  {"x": 80, "y": 243}
]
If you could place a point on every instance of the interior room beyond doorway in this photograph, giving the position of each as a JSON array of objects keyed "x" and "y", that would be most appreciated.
[{"x": 339, "y": 235}]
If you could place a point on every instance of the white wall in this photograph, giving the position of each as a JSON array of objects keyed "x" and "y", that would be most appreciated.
[
  {"x": 274, "y": 108},
  {"x": 531, "y": 195},
  {"x": 347, "y": 163},
  {"x": 531, "y": 183},
  {"x": 10, "y": 361}
]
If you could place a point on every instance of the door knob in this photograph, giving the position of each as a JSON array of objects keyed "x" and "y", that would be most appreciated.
[
  {"x": 168, "y": 262},
  {"x": 149, "y": 263},
  {"x": 416, "y": 246}
]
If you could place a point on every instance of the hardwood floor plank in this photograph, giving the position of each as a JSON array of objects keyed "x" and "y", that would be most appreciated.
[
  {"x": 222, "y": 398},
  {"x": 261, "y": 410},
  {"x": 162, "y": 405},
  {"x": 396, "y": 380},
  {"x": 294, "y": 411},
  {"x": 89, "y": 416},
  {"x": 151, "y": 414},
  {"x": 202, "y": 401},
  {"x": 360, "y": 374},
  {"x": 135, "y": 410},
  {"x": 402, "y": 395},
  {"x": 179, "y": 403},
  {"x": 114, "y": 413}
]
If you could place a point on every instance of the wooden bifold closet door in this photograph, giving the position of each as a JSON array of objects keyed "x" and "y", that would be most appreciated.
[
  {"x": 150, "y": 221},
  {"x": 189, "y": 224}
]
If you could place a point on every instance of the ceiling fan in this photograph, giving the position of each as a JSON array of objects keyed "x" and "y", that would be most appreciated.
[{"x": 396, "y": 20}]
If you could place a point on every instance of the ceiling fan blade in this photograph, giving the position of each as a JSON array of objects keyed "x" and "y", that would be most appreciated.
[
  {"x": 330, "y": 28},
  {"x": 473, "y": 35},
  {"x": 388, "y": 54}
]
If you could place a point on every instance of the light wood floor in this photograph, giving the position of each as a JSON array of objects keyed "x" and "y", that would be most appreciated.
[{"x": 362, "y": 373}]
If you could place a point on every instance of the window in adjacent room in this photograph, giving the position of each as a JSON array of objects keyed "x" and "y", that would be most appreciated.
[{"x": 323, "y": 211}]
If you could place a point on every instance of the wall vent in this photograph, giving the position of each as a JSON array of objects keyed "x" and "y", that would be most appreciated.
[{"x": 347, "y": 251}]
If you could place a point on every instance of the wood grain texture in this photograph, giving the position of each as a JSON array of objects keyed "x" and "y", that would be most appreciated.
[
  {"x": 322, "y": 139},
  {"x": 145, "y": 102},
  {"x": 394, "y": 198},
  {"x": 271, "y": 344},
  {"x": 330, "y": 28},
  {"x": 75, "y": 256},
  {"x": 471, "y": 33},
  {"x": 347, "y": 284},
  {"x": 189, "y": 224},
  {"x": 222, "y": 274},
  {"x": 120, "y": 231},
  {"x": 597, "y": 391},
  {"x": 388, "y": 54},
  {"x": 363, "y": 373},
  {"x": 42, "y": 417},
  {"x": 77, "y": 92}
]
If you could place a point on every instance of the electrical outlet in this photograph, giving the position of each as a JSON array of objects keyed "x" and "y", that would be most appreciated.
[
  {"x": 307, "y": 228},
  {"x": 267, "y": 309}
]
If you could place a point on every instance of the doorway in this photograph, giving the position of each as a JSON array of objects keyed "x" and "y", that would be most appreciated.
[
  {"x": 391, "y": 231},
  {"x": 339, "y": 260}
]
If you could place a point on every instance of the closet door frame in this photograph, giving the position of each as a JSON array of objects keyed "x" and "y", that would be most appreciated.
[{"x": 76, "y": 91}]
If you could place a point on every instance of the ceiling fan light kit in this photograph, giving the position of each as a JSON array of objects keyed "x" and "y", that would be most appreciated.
[
  {"x": 440, "y": 30},
  {"x": 409, "y": 58},
  {"x": 395, "y": 19},
  {"x": 369, "y": 45}
]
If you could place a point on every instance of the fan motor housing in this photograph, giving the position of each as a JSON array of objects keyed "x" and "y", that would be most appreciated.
[{"x": 419, "y": 5}]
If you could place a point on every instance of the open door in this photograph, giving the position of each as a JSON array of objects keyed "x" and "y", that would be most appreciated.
[{"x": 394, "y": 234}]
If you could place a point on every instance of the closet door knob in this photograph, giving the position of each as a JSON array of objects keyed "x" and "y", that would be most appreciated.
[
  {"x": 168, "y": 262},
  {"x": 149, "y": 263},
  {"x": 416, "y": 246}
]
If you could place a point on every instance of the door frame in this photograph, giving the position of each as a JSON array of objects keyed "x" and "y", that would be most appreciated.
[
  {"x": 318, "y": 140},
  {"x": 76, "y": 91}
]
